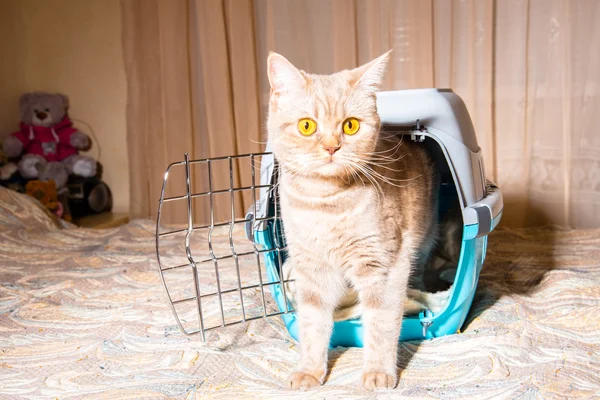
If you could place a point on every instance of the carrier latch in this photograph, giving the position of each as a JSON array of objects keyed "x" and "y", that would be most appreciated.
[
  {"x": 250, "y": 217},
  {"x": 426, "y": 325},
  {"x": 416, "y": 132},
  {"x": 426, "y": 322}
]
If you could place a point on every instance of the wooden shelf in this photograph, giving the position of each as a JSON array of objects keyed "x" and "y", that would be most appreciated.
[{"x": 102, "y": 221}]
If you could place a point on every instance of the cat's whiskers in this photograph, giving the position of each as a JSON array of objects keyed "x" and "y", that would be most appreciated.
[
  {"x": 383, "y": 165},
  {"x": 369, "y": 163},
  {"x": 382, "y": 154},
  {"x": 366, "y": 167},
  {"x": 294, "y": 173},
  {"x": 389, "y": 180},
  {"x": 356, "y": 175},
  {"x": 258, "y": 142},
  {"x": 385, "y": 161},
  {"x": 346, "y": 174},
  {"x": 351, "y": 173},
  {"x": 390, "y": 137},
  {"x": 360, "y": 169}
]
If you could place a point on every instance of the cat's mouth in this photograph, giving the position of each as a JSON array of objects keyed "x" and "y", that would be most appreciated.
[
  {"x": 331, "y": 166},
  {"x": 330, "y": 160}
]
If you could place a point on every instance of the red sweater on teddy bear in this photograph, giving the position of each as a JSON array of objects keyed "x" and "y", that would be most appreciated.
[{"x": 52, "y": 142}]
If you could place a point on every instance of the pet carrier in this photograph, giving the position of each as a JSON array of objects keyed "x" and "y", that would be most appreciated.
[{"x": 439, "y": 120}]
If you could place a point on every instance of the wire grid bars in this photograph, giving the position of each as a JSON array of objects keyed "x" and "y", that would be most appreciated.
[{"x": 209, "y": 258}]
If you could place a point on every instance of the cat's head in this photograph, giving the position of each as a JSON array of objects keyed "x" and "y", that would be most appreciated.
[{"x": 322, "y": 125}]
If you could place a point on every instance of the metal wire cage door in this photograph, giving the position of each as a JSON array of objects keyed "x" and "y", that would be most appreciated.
[{"x": 213, "y": 275}]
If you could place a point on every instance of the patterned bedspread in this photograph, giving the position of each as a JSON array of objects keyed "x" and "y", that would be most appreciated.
[{"x": 84, "y": 315}]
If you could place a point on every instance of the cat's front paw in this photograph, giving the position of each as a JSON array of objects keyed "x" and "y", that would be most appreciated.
[
  {"x": 302, "y": 381},
  {"x": 378, "y": 380}
]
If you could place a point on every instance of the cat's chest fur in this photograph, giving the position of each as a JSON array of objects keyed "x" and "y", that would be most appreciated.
[{"x": 332, "y": 227}]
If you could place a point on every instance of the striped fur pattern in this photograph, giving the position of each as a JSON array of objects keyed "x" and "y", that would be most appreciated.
[{"x": 358, "y": 219}]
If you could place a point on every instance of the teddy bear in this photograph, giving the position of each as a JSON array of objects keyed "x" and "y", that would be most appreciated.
[
  {"x": 45, "y": 192},
  {"x": 47, "y": 140}
]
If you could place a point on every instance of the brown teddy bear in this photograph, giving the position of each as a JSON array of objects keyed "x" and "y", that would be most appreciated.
[
  {"x": 45, "y": 192},
  {"x": 47, "y": 141}
]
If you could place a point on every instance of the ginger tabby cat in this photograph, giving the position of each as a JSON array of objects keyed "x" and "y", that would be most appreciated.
[{"x": 358, "y": 211}]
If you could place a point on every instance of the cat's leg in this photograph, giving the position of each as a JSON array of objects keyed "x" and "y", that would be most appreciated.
[
  {"x": 318, "y": 291},
  {"x": 382, "y": 292}
]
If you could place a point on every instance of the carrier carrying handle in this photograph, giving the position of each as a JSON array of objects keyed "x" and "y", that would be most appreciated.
[{"x": 487, "y": 212}]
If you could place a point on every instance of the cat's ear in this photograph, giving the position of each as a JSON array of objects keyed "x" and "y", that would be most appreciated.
[
  {"x": 370, "y": 75},
  {"x": 283, "y": 76}
]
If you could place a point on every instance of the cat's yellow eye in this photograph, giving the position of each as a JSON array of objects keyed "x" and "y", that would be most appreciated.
[
  {"x": 351, "y": 126},
  {"x": 307, "y": 126}
]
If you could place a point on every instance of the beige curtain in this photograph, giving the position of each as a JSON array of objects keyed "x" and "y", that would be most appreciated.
[
  {"x": 192, "y": 87},
  {"x": 528, "y": 70}
]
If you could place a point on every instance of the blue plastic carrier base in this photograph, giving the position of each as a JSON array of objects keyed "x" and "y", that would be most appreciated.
[
  {"x": 425, "y": 326},
  {"x": 437, "y": 116}
]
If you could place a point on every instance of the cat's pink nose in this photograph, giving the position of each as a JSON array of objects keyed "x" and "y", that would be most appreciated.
[{"x": 331, "y": 149}]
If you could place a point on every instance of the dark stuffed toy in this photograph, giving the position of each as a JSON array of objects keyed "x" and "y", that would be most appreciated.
[
  {"x": 9, "y": 174},
  {"x": 7, "y": 168},
  {"x": 47, "y": 140}
]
